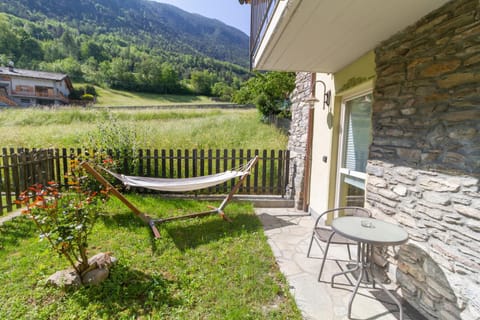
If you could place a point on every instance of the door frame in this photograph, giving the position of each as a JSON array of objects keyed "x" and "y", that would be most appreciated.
[{"x": 341, "y": 142}]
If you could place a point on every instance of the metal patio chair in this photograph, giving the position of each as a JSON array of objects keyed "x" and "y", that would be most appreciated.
[{"x": 324, "y": 233}]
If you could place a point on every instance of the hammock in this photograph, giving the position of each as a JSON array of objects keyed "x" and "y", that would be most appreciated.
[{"x": 183, "y": 184}]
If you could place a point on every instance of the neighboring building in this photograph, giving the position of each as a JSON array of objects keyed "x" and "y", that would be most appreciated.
[
  {"x": 30, "y": 88},
  {"x": 401, "y": 134}
]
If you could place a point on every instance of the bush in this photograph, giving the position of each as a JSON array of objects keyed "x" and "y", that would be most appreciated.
[
  {"x": 65, "y": 219},
  {"x": 87, "y": 97},
  {"x": 269, "y": 92},
  {"x": 79, "y": 92},
  {"x": 113, "y": 136}
]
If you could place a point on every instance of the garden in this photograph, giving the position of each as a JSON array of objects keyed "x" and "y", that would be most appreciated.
[{"x": 203, "y": 268}]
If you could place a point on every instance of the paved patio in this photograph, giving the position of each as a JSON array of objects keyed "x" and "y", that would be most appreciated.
[{"x": 288, "y": 231}]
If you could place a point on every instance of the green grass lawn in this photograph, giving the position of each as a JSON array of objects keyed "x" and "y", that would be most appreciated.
[
  {"x": 202, "y": 268},
  {"x": 110, "y": 97}
]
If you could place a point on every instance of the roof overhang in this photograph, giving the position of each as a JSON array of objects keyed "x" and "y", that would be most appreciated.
[{"x": 327, "y": 35}]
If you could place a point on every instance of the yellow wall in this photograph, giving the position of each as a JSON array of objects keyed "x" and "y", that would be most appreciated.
[
  {"x": 356, "y": 73},
  {"x": 355, "y": 78}
]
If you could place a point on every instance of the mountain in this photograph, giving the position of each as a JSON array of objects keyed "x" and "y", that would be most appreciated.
[
  {"x": 151, "y": 23},
  {"x": 133, "y": 45}
]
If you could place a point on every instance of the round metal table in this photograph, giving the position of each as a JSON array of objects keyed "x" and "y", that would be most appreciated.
[{"x": 368, "y": 232}]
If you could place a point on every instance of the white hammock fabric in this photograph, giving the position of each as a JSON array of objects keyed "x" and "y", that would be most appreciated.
[{"x": 180, "y": 184}]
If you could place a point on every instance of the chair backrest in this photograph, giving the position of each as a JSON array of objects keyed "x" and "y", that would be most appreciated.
[
  {"x": 354, "y": 211},
  {"x": 329, "y": 215}
]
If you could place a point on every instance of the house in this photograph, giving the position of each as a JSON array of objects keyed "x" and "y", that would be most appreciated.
[
  {"x": 19, "y": 87},
  {"x": 388, "y": 98}
]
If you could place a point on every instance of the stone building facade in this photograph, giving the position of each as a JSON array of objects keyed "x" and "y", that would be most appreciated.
[
  {"x": 424, "y": 163},
  {"x": 297, "y": 141},
  {"x": 423, "y": 170}
]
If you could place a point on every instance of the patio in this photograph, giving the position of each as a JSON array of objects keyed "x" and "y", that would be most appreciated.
[{"x": 288, "y": 231}]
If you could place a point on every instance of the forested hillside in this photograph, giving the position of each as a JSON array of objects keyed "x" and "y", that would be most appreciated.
[{"x": 134, "y": 45}]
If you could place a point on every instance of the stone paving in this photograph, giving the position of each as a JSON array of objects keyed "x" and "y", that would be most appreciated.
[{"x": 289, "y": 231}]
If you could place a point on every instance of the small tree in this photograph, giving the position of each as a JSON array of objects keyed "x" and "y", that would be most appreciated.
[
  {"x": 223, "y": 91},
  {"x": 202, "y": 81},
  {"x": 66, "y": 219},
  {"x": 269, "y": 92}
]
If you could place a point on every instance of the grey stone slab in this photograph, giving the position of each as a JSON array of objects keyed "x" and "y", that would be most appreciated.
[{"x": 289, "y": 238}]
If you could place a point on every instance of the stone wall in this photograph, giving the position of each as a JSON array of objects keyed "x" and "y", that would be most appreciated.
[
  {"x": 424, "y": 167},
  {"x": 297, "y": 143}
]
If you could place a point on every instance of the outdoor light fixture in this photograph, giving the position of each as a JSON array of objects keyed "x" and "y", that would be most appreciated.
[{"x": 327, "y": 95}]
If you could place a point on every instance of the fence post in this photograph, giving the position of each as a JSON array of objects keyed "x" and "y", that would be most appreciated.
[
  {"x": 187, "y": 163},
  {"x": 149, "y": 163},
  {"x": 15, "y": 175},
  {"x": 217, "y": 166},
  {"x": 264, "y": 171},
  {"x": 225, "y": 166},
  {"x": 194, "y": 162},
  {"x": 255, "y": 176},
  {"x": 171, "y": 164},
  {"x": 248, "y": 186},
  {"x": 8, "y": 191},
  {"x": 57, "y": 174},
  {"x": 179, "y": 163},
  {"x": 140, "y": 162},
  {"x": 287, "y": 172}
]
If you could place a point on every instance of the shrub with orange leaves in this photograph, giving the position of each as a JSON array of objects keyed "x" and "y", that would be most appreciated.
[{"x": 66, "y": 218}]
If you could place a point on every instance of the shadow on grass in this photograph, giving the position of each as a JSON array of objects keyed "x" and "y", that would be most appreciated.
[
  {"x": 180, "y": 99},
  {"x": 12, "y": 231},
  {"x": 129, "y": 292},
  {"x": 189, "y": 233},
  {"x": 198, "y": 231}
]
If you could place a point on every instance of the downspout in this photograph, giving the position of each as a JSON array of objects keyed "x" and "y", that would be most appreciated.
[{"x": 308, "y": 151}]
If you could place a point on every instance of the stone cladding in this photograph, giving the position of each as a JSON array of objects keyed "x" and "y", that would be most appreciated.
[
  {"x": 297, "y": 141},
  {"x": 424, "y": 167}
]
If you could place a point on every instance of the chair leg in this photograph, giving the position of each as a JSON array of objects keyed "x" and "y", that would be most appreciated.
[
  {"x": 349, "y": 253},
  {"x": 310, "y": 246},
  {"x": 325, "y": 256}
]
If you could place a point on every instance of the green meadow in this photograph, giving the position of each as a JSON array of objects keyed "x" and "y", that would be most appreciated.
[{"x": 177, "y": 128}]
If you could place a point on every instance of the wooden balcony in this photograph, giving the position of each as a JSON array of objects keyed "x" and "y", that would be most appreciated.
[{"x": 40, "y": 95}]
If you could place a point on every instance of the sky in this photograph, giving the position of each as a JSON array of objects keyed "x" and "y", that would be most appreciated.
[{"x": 228, "y": 11}]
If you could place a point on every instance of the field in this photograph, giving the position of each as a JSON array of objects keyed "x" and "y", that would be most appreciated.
[
  {"x": 153, "y": 128},
  {"x": 111, "y": 97}
]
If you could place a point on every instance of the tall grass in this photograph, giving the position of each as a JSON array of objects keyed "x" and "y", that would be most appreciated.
[{"x": 172, "y": 128}]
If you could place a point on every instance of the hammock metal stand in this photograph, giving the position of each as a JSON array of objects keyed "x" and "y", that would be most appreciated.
[{"x": 151, "y": 221}]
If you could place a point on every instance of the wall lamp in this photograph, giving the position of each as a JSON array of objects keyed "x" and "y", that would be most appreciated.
[{"x": 327, "y": 95}]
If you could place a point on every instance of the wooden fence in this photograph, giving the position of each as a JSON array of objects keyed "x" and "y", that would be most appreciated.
[{"x": 21, "y": 168}]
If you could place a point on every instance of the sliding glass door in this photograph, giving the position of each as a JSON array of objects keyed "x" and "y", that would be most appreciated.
[{"x": 355, "y": 138}]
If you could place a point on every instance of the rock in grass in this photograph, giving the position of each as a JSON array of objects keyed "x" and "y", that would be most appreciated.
[
  {"x": 65, "y": 279},
  {"x": 98, "y": 272},
  {"x": 102, "y": 260},
  {"x": 95, "y": 276}
]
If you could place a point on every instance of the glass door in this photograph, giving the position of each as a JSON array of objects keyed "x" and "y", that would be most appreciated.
[{"x": 355, "y": 139}]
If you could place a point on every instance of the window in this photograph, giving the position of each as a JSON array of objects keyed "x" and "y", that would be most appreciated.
[{"x": 354, "y": 145}]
